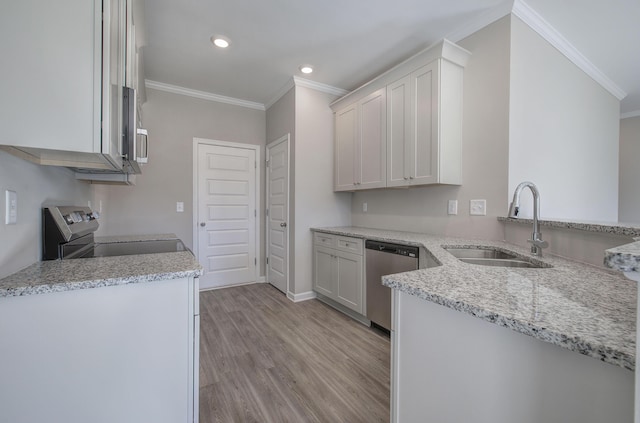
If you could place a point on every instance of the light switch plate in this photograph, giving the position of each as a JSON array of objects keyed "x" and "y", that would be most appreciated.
[
  {"x": 179, "y": 206},
  {"x": 452, "y": 207},
  {"x": 11, "y": 208},
  {"x": 364, "y": 207},
  {"x": 478, "y": 207}
]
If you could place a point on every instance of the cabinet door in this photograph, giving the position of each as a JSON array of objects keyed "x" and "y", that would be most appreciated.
[
  {"x": 423, "y": 146},
  {"x": 349, "y": 282},
  {"x": 323, "y": 277},
  {"x": 398, "y": 131},
  {"x": 345, "y": 148},
  {"x": 372, "y": 143},
  {"x": 50, "y": 81}
]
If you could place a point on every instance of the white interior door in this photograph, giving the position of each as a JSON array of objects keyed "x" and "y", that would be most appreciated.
[
  {"x": 278, "y": 213},
  {"x": 227, "y": 213}
]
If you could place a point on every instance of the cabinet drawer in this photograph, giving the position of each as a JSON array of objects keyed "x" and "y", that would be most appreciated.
[
  {"x": 324, "y": 239},
  {"x": 350, "y": 245}
]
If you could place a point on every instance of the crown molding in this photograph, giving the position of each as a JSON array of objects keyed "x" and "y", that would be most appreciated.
[
  {"x": 203, "y": 95},
  {"x": 280, "y": 93},
  {"x": 634, "y": 113},
  {"x": 319, "y": 86},
  {"x": 296, "y": 81},
  {"x": 549, "y": 33},
  {"x": 480, "y": 21}
]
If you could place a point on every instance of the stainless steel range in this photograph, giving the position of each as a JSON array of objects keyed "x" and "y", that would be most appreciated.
[{"x": 68, "y": 233}]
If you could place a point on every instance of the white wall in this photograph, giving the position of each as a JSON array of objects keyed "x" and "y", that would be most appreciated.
[
  {"x": 563, "y": 132},
  {"x": 280, "y": 122},
  {"x": 305, "y": 114},
  {"x": 316, "y": 204},
  {"x": 484, "y": 155},
  {"x": 36, "y": 186},
  {"x": 173, "y": 121},
  {"x": 629, "y": 194}
]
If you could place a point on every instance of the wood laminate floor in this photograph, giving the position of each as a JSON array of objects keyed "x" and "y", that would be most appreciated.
[{"x": 266, "y": 359}]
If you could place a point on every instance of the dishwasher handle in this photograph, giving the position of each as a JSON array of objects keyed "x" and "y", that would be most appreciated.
[{"x": 386, "y": 247}]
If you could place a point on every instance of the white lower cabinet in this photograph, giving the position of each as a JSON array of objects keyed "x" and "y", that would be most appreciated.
[
  {"x": 126, "y": 353},
  {"x": 338, "y": 270},
  {"x": 323, "y": 274},
  {"x": 449, "y": 367}
]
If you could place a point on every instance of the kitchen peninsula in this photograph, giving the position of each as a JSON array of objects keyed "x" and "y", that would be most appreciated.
[
  {"x": 101, "y": 339},
  {"x": 453, "y": 362}
]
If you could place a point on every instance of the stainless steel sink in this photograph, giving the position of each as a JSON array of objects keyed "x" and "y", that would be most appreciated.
[{"x": 490, "y": 256}]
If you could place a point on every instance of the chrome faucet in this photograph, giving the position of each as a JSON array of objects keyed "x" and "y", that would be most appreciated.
[{"x": 537, "y": 244}]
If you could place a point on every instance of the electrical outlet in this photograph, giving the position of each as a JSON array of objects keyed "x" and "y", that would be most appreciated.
[
  {"x": 364, "y": 207},
  {"x": 478, "y": 207},
  {"x": 452, "y": 207},
  {"x": 179, "y": 207},
  {"x": 11, "y": 207}
]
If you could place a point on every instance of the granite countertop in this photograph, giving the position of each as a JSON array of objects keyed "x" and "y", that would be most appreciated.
[
  {"x": 625, "y": 258},
  {"x": 84, "y": 273},
  {"x": 615, "y": 228},
  {"x": 576, "y": 306}
]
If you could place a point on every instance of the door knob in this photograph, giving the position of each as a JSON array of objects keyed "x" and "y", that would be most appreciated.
[
  {"x": 203, "y": 224},
  {"x": 283, "y": 225}
]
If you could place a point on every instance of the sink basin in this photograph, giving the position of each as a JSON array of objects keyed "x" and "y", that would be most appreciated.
[
  {"x": 480, "y": 253},
  {"x": 489, "y": 256}
]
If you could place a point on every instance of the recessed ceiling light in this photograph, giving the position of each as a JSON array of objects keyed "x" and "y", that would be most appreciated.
[
  {"x": 220, "y": 41},
  {"x": 306, "y": 69}
]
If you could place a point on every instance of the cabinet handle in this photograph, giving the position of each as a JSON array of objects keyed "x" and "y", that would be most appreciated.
[
  {"x": 145, "y": 134},
  {"x": 410, "y": 177},
  {"x": 405, "y": 178}
]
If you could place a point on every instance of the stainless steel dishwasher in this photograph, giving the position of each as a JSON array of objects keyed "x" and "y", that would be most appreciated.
[{"x": 382, "y": 259}]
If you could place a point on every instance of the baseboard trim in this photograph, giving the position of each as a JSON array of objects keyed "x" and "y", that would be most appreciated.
[
  {"x": 213, "y": 288},
  {"x": 354, "y": 315},
  {"x": 262, "y": 279},
  {"x": 303, "y": 296}
]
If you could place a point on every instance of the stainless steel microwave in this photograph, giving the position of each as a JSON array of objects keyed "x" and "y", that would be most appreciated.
[{"x": 135, "y": 140}]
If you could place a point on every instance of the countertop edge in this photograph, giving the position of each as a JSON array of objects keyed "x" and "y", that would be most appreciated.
[
  {"x": 98, "y": 283},
  {"x": 625, "y": 258},
  {"x": 602, "y": 353}
]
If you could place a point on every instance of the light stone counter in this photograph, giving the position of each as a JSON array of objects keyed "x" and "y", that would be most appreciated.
[
  {"x": 572, "y": 305},
  {"x": 625, "y": 258},
  {"x": 84, "y": 273}
]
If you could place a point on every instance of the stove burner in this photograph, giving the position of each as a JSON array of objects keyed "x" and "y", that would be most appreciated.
[{"x": 131, "y": 248}]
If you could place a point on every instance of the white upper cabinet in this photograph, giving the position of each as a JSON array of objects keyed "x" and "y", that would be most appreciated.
[
  {"x": 346, "y": 139},
  {"x": 52, "y": 110},
  {"x": 421, "y": 124},
  {"x": 360, "y": 144},
  {"x": 424, "y": 134},
  {"x": 371, "y": 172}
]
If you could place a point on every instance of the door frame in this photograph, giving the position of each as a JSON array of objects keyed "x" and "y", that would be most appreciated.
[
  {"x": 259, "y": 208},
  {"x": 286, "y": 139}
]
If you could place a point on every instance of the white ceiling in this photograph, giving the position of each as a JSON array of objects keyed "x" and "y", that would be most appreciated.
[{"x": 349, "y": 42}]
